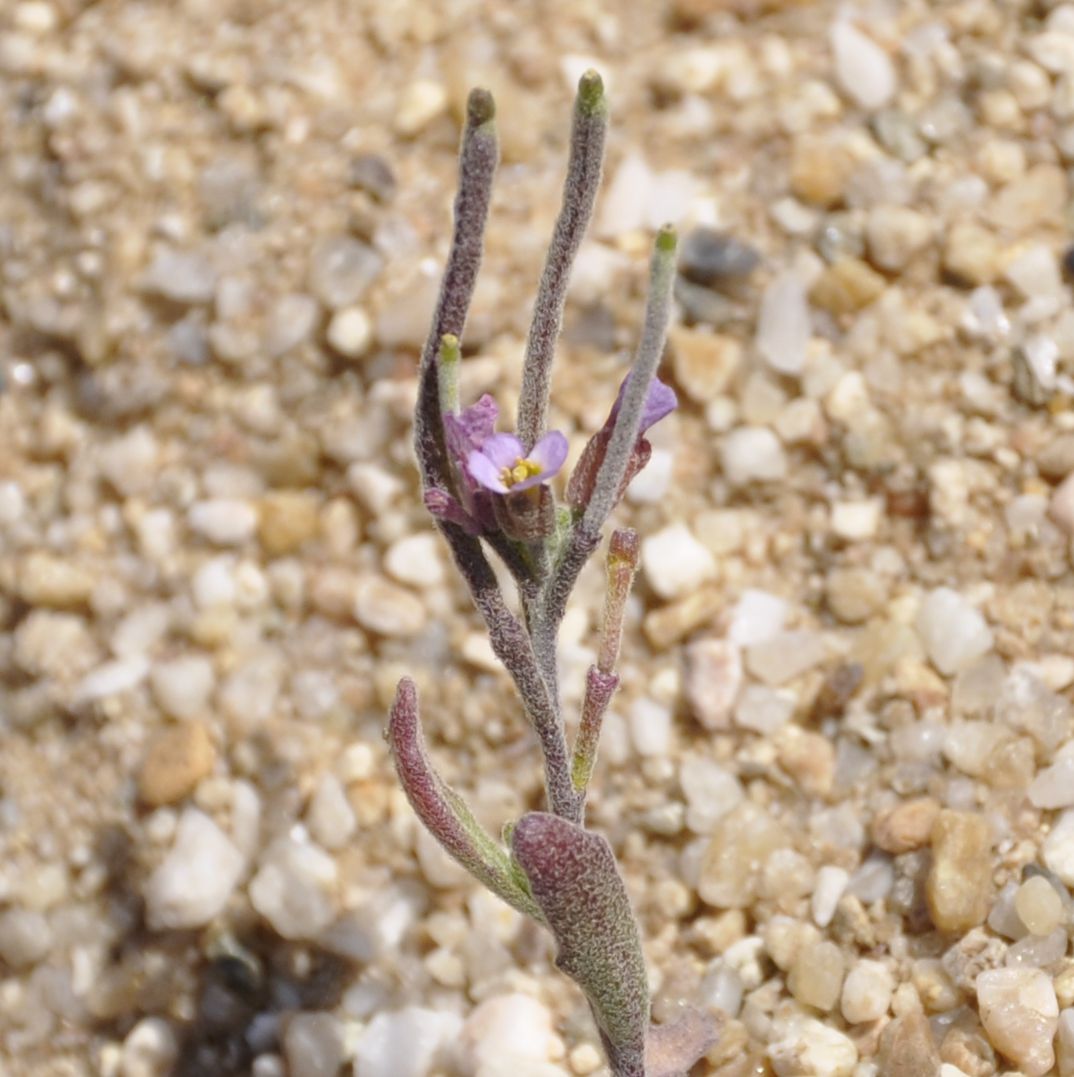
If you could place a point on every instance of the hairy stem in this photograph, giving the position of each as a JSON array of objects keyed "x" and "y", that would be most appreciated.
[{"x": 650, "y": 349}]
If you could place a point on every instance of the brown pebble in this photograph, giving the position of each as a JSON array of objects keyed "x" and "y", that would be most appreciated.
[
  {"x": 177, "y": 759},
  {"x": 907, "y": 1048},
  {"x": 847, "y": 285},
  {"x": 906, "y": 826},
  {"x": 837, "y": 690},
  {"x": 959, "y": 884},
  {"x": 288, "y": 519}
]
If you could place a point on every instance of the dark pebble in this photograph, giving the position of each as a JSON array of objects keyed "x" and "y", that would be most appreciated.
[
  {"x": 372, "y": 174},
  {"x": 714, "y": 259}
]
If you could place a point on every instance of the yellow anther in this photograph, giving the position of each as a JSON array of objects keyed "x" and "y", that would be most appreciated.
[{"x": 522, "y": 470}]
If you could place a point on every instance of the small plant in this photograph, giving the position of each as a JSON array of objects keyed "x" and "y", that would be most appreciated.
[{"x": 489, "y": 492}]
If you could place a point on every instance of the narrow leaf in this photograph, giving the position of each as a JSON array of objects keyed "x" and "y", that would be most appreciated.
[
  {"x": 574, "y": 879},
  {"x": 444, "y": 812}
]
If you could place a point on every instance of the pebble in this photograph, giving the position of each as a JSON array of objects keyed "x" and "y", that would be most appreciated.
[
  {"x": 650, "y": 728},
  {"x": 716, "y": 259},
  {"x": 420, "y": 103},
  {"x": 350, "y": 332},
  {"x": 330, "y": 817},
  {"x": 403, "y": 1043},
  {"x": 819, "y": 171},
  {"x": 1020, "y": 1015},
  {"x": 372, "y": 174},
  {"x": 177, "y": 759},
  {"x": 184, "y": 277},
  {"x": 846, "y": 286},
  {"x": 182, "y": 686},
  {"x": 829, "y": 887},
  {"x": 197, "y": 876},
  {"x": 26, "y": 937},
  {"x": 713, "y": 680},
  {"x": 785, "y": 656},
  {"x": 290, "y": 323},
  {"x": 675, "y": 562},
  {"x": 150, "y": 1049},
  {"x": 972, "y": 253},
  {"x": 314, "y": 1045},
  {"x": 341, "y": 270},
  {"x": 906, "y": 826},
  {"x": 756, "y": 617},
  {"x": 740, "y": 844},
  {"x": 816, "y": 975},
  {"x": 54, "y": 582},
  {"x": 863, "y": 69},
  {"x": 711, "y": 791},
  {"x": 1039, "y": 905},
  {"x": 784, "y": 325},
  {"x": 805, "y": 1047},
  {"x": 952, "y": 630},
  {"x": 753, "y": 454},
  {"x": 1064, "y": 1043},
  {"x": 763, "y": 710},
  {"x": 959, "y": 883},
  {"x": 223, "y": 521},
  {"x": 1053, "y": 786},
  {"x": 854, "y": 594},
  {"x": 294, "y": 888},
  {"x": 1057, "y": 851},
  {"x": 704, "y": 362},
  {"x": 895, "y": 235},
  {"x": 907, "y": 1048},
  {"x": 287, "y": 520},
  {"x": 867, "y": 991},
  {"x": 507, "y": 1032},
  {"x": 416, "y": 560},
  {"x": 386, "y": 609},
  {"x": 857, "y": 521},
  {"x": 1061, "y": 505},
  {"x": 111, "y": 679}
]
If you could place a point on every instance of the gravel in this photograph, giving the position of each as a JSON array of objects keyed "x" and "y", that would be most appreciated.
[{"x": 837, "y": 770}]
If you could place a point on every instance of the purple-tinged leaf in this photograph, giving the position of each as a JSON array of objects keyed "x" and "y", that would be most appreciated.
[
  {"x": 672, "y": 1049},
  {"x": 444, "y": 812},
  {"x": 444, "y": 507},
  {"x": 574, "y": 879}
]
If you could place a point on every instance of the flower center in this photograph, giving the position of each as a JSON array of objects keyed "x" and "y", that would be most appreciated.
[{"x": 519, "y": 472}]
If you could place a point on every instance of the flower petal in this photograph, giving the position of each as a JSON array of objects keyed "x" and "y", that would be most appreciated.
[
  {"x": 485, "y": 473},
  {"x": 550, "y": 453},
  {"x": 660, "y": 400},
  {"x": 502, "y": 450}
]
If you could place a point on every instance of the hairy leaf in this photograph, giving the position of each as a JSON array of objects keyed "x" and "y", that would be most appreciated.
[
  {"x": 574, "y": 879},
  {"x": 444, "y": 812}
]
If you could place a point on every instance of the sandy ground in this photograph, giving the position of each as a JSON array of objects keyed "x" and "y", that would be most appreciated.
[{"x": 838, "y": 776}]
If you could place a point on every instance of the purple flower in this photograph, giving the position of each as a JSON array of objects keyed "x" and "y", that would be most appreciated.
[{"x": 503, "y": 466}]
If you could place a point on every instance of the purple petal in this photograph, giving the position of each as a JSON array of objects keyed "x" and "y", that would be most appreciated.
[
  {"x": 549, "y": 453},
  {"x": 502, "y": 450},
  {"x": 485, "y": 473},
  {"x": 469, "y": 429},
  {"x": 659, "y": 401}
]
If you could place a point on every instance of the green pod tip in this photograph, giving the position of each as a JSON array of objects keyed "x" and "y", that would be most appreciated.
[
  {"x": 591, "y": 98},
  {"x": 480, "y": 107}
]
